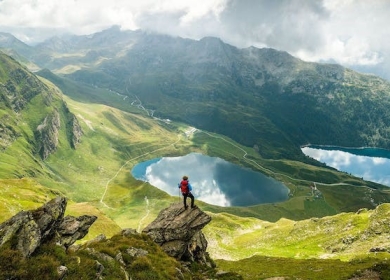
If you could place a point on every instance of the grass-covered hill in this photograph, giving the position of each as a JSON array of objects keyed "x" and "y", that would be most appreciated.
[{"x": 342, "y": 246}]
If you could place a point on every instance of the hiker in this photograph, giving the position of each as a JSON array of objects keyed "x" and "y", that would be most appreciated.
[{"x": 186, "y": 189}]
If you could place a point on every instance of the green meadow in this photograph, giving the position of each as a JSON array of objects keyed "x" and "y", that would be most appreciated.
[{"x": 319, "y": 231}]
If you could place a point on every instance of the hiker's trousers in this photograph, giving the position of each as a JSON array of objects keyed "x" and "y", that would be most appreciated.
[{"x": 185, "y": 195}]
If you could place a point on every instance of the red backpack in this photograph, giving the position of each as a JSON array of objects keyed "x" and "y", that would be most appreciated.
[{"x": 184, "y": 187}]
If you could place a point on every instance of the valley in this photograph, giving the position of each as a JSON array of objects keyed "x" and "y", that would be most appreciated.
[{"x": 97, "y": 123}]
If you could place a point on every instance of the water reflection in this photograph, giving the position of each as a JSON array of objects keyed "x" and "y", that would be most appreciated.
[
  {"x": 214, "y": 180},
  {"x": 375, "y": 169}
]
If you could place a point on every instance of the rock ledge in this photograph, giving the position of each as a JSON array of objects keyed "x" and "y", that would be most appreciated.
[{"x": 178, "y": 232}]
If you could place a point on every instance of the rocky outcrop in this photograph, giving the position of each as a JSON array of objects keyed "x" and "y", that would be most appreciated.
[
  {"x": 40, "y": 235},
  {"x": 74, "y": 228},
  {"x": 178, "y": 232},
  {"x": 47, "y": 134},
  {"x": 76, "y": 131},
  {"x": 73, "y": 127},
  {"x": 28, "y": 230},
  {"x": 8, "y": 134}
]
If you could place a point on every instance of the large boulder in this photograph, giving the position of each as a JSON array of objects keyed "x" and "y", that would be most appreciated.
[
  {"x": 178, "y": 232},
  {"x": 74, "y": 228},
  {"x": 27, "y": 230}
]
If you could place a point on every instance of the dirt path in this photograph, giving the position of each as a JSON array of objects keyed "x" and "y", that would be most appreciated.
[
  {"x": 127, "y": 162},
  {"x": 146, "y": 215}
]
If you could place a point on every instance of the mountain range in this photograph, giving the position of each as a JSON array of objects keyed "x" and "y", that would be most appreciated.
[
  {"x": 96, "y": 105},
  {"x": 275, "y": 101}
]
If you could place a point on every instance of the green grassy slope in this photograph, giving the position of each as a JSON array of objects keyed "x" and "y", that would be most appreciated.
[
  {"x": 334, "y": 247},
  {"x": 259, "y": 267},
  {"x": 96, "y": 178},
  {"x": 343, "y": 236},
  {"x": 98, "y": 169},
  {"x": 113, "y": 141}
]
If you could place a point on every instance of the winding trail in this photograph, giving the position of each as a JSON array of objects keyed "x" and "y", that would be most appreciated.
[
  {"x": 134, "y": 158},
  {"x": 146, "y": 215},
  {"x": 137, "y": 102}
]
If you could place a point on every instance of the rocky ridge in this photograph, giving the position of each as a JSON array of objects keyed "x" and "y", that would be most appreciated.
[
  {"x": 176, "y": 230},
  {"x": 19, "y": 89},
  {"x": 47, "y": 133},
  {"x": 28, "y": 230}
]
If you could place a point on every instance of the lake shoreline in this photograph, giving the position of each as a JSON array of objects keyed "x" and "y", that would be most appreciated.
[
  {"x": 361, "y": 151},
  {"x": 214, "y": 180},
  {"x": 370, "y": 164}
]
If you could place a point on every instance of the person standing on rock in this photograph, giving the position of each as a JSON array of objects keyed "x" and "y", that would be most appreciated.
[{"x": 186, "y": 188}]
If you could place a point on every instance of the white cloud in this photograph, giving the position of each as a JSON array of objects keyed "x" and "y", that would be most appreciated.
[
  {"x": 354, "y": 33},
  {"x": 350, "y": 32},
  {"x": 379, "y": 161}
]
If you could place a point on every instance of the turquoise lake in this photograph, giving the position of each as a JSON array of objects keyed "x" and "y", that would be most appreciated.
[
  {"x": 213, "y": 179},
  {"x": 371, "y": 164}
]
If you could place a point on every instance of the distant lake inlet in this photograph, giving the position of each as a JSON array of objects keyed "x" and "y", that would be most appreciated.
[
  {"x": 213, "y": 179},
  {"x": 371, "y": 164}
]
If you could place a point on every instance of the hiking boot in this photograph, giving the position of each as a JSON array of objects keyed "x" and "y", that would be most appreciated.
[
  {"x": 185, "y": 207},
  {"x": 194, "y": 206}
]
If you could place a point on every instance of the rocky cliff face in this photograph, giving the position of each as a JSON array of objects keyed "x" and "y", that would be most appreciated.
[
  {"x": 73, "y": 127},
  {"x": 22, "y": 91},
  {"x": 47, "y": 133},
  {"x": 178, "y": 232},
  {"x": 76, "y": 131},
  {"x": 28, "y": 230}
]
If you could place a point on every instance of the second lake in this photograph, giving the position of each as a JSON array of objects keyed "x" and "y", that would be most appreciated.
[
  {"x": 213, "y": 179},
  {"x": 371, "y": 164}
]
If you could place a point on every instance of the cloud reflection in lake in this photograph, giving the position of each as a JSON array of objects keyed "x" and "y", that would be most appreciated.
[
  {"x": 375, "y": 169},
  {"x": 215, "y": 180}
]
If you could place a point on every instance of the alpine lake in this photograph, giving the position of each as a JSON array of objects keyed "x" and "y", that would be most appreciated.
[
  {"x": 213, "y": 180},
  {"x": 371, "y": 164}
]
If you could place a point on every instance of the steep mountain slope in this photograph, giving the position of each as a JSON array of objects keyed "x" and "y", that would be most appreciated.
[
  {"x": 10, "y": 43},
  {"x": 275, "y": 101},
  {"x": 34, "y": 119},
  {"x": 34, "y": 124},
  {"x": 266, "y": 95}
]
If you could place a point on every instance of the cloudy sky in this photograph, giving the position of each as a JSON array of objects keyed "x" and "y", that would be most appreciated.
[{"x": 354, "y": 33}]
